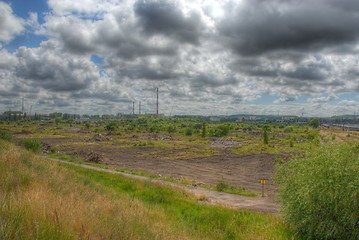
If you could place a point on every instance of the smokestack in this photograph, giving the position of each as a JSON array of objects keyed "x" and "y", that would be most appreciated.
[
  {"x": 157, "y": 103},
  {"x": 139, "y": 108}
]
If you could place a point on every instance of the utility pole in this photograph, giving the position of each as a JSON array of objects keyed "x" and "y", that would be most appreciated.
[
  {"x": 157, "y": 103},
  {"x": 22, "y": 105}
]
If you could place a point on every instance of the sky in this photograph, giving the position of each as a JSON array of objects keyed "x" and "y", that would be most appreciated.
[{"x": 285, "y": 57}]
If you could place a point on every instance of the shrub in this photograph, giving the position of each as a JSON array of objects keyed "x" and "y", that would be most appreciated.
[
  {"x": 288, "y": 129},
  {"x": 87, "y": 125},
  {"x": 220, "y": 131},
  {"x": 221, "y": 186},
  {"x": 4, "y": 135},
  {"x": 111, "y": 126},
  {"x": 319, "y": 193},
  {"x": 188, "y": 132},
  {"x": 171, "y": 129},
  {"x": 31, "y": 144}
]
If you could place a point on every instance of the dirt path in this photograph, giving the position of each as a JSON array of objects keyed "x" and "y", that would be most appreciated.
[{"x": 262, "y": 204}]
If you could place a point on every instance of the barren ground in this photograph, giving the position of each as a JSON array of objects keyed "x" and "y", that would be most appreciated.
[{"x": 244, "y": 171}]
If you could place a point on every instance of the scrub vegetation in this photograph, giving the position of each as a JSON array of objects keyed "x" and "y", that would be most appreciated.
[
  {"x": 315, "y": 169},
  {"x": 47, "y": 200},
  {"x": 319, "y": 192}
]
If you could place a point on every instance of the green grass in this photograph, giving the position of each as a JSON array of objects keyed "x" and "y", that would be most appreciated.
[
  {"x": 221, "y": 186},
  {"x": 47, "y": 200},
  {"x": 184, "y": 181},
  {"x": 201, "y": 220}
]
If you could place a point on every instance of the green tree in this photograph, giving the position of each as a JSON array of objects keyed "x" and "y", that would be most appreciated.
[
  {"x": 203, "y": 130},
  {"x": 265, "y": 136},
  {"x": 319, "y": 193},
  {"x": 314, "y": 123}
]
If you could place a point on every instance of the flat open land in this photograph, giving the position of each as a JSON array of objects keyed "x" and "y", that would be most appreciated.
[
  {"x": 239, "y": 160},
  {"x": 240, "y": 171}
]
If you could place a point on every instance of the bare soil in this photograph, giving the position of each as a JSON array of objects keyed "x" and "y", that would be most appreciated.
[{"x": 238, "y": 171}]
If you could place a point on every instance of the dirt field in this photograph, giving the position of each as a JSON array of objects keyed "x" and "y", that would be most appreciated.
[
  {"x": 193, "y": 159},
  {"x": 238, "y": 171}
]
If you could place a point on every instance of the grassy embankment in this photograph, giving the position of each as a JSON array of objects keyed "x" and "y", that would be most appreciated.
[{"x": 46, "y": 200}]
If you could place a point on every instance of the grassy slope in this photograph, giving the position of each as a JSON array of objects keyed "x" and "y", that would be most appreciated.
[{"x": 45, "y": 200}]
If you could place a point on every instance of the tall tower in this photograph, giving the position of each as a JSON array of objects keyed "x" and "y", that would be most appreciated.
[
  {"x": 157, "y": 102},
  {"x": 133, "y": 108},
  {"x": 22, "y": 105},
  {"x": 139, "y": 108}
]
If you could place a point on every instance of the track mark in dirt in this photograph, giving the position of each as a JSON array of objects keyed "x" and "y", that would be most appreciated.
[{"x": 261, "y": 204}]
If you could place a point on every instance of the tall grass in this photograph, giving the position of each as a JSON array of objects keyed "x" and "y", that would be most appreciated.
[{"x": 46, "y": 200}]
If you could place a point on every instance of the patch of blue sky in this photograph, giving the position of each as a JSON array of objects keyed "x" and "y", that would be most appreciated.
[
  {"x": 22, "y": 8},
  {"x": 265, "y": 99},
  {"x": 98, "y": 60},
  {"x": 29, "y": 40},
  {"x": 349, "y": 96}
]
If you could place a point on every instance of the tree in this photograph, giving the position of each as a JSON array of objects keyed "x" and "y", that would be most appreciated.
[
  {"x": 203, "y": 130},
  {"x": 314, "y": 123},
  {"x": 265, "y": 136}
]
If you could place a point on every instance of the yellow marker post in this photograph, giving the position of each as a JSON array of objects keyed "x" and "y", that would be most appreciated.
[{"x": 263, "y": 182}]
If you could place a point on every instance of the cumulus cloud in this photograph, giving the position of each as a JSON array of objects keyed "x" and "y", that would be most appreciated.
[
  {"x": 10, "y": 25},
  {"x": 50, "y": 69},
  {"x": 202, "y": 55}
]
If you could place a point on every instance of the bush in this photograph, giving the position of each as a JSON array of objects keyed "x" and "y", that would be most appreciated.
[
  {"x": 288, "y": 129},
  {"x": 220, "y": 131},
  {"x": 4, "y": 135},
  {"x": 112, "y": 126},
  {"x": 320, "y": 192},
  {"x": 171, "y": 129},
  {"x": 188, "y": 132},
  {"x": 221, "y": 186},
  {"x": 31, "y": 144}
]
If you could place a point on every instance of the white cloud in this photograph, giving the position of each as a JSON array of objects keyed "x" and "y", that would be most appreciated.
[
  {"x": 10, "y": 25},
  {"x": 194, "y": 51}
]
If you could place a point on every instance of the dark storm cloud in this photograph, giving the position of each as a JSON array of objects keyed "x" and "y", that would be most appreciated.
[
  {"x": 166, "y": 18},
  {"x": 257, "y": 27}
]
